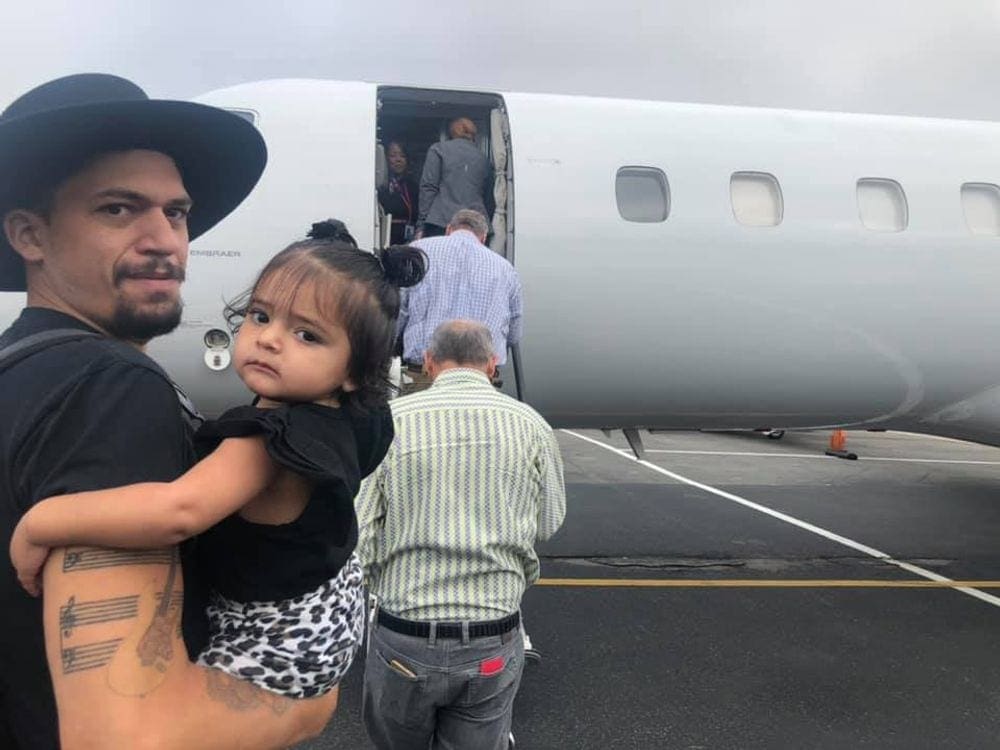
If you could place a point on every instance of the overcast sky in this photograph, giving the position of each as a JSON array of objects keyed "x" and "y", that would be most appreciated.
[{"x": 919, "y": 57}]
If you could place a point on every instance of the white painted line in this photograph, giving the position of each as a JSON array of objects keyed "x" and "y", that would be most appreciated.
[
  {"x": 931, "y": 460},
  {"x": 824, "y": 457},
  {"x": 736, "y": 453},
  {"x": 863, "y": 548},
  {"x": 931, "y": 437}
]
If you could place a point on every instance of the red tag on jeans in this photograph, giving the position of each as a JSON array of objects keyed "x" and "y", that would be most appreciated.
[{"x": 491, "y": 666}]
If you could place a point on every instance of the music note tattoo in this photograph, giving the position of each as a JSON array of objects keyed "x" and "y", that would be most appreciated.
[
  {"x": 73, "y": 615},
  {"x": 88, "y": 656},
  {"x": 156, "y": 647},
  {"x": 92, "y": 558}
]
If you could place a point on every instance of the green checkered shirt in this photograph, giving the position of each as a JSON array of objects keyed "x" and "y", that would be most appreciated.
[{"x": 449, "y": 520}]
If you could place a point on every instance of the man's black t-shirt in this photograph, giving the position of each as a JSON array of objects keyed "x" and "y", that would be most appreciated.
[{"x": 84, "y": 415}]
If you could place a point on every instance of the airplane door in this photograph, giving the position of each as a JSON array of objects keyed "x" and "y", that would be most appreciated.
[{"x": 502, "y": 241}]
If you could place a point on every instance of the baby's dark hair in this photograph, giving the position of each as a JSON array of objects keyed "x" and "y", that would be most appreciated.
[
  {"x": 360, "y": 289},
  {"x": 331, "y": 229}
]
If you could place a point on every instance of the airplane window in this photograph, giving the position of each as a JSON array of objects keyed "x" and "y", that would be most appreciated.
[
  {"x": 882, "y": 205},
  {"x": 981, "y": 204},
  {"x": 757, "y": 200},
  {"x": 643, "y": 194}
]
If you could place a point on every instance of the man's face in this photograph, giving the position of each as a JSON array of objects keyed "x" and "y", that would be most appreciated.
[{"x": 115, "y": 244}]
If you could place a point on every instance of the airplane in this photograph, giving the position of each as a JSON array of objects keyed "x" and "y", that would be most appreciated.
[{"x": 684, "y": 266}]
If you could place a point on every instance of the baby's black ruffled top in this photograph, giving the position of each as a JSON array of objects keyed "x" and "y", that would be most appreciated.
[{"x": 334, "y": 448}]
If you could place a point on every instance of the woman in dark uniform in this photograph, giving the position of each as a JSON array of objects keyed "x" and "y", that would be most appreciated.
[{"x": 399, "y": 195}]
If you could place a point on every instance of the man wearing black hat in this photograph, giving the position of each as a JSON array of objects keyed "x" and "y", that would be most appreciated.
[{"x": 101, "y": 189}]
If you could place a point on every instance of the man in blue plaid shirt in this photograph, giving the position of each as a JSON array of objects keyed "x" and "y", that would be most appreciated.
[{"x": 465, "y": 280}]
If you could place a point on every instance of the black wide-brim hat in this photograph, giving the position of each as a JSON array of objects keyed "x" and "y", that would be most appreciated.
[{"x": 48, "y": 134}]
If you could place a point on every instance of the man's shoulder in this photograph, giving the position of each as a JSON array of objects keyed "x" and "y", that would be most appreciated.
[
  {"x": 72, "y": 363},
  {"x": 96, "y": 349},
  {"x": 494, "y": 260},
  {"x": 431, "y": 244},
  {"x": 499, "y": 260},
  {"x": 411, "y": 402},
  {"x": 525, "y": 412},
  {"x": 484, "y": 397},
  {"x": 100, "y": 352},
  {"x": 452, "y": 247},
  {"x": 465, "y": 244},
  {"x": 464, "y": 144}
]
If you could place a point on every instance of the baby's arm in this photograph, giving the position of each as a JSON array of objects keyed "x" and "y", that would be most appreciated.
[{"x": 154, "y": 514}]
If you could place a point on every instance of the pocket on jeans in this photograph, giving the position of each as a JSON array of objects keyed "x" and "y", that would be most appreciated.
[
  {"x": 481, "y": 688},
  {"x": 397, "y": 695}
]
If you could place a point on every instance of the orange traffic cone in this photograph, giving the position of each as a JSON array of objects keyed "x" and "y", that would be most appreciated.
[
  {"x": 838, "y": 440},
  {"x": 838, "y": 446}
]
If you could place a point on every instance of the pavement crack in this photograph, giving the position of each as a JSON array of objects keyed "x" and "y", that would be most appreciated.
[
  {"x": 763, "y": 564},
  {"x": 627, "y": 562}
]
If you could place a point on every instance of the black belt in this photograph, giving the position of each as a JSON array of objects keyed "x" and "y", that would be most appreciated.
[{"x": 449, "y": 629}]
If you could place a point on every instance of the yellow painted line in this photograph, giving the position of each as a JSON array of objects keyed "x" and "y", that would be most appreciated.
[{"x": 779, "y": 583}]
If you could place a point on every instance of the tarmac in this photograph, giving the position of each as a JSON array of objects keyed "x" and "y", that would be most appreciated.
[{"x": 737, "y": 592}]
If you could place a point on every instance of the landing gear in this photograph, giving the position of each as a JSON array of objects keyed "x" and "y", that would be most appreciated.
[{"x": 635, "y": 443}]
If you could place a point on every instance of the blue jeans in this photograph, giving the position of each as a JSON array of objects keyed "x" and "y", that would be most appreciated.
[{"x": 441, "y": 693}]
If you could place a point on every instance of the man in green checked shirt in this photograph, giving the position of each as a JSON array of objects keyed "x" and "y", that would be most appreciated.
[{"x": 448, "y": 525}]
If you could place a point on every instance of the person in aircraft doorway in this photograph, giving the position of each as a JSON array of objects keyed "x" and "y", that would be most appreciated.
[
  {"x": 399, "y": 195},
  {"x": 465, "y": 280},
  {"x": 456, "y": 175}
]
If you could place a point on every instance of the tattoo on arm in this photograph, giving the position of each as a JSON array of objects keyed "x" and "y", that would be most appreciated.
[
  {"x": 73, "y": 615},
  {"x": 81, "y": 656},
  {"x": 156, "y": 648},
  {"x": 89, "y": 655},
  {"x": 137, "y": 663},
  {"x": 175, "y": 599},
  {"x": 142, "y": 661},
  {"x": 92, "y": 558},
  {"x": 138, "y": 651},
  {"x": 243, "y": 696}
]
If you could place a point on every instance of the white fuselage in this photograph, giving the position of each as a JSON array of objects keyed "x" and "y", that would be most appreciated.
[{"x": 697, "y": 321}]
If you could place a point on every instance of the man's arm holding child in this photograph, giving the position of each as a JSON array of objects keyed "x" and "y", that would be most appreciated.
[
  {"x": 120, "y": 668},
  {"x": 112, "y": 617},
  {"x": 149, "y": 514}
]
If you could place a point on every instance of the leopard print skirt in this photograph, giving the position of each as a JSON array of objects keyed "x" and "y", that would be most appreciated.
[{"x": 299, "y": 647}]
